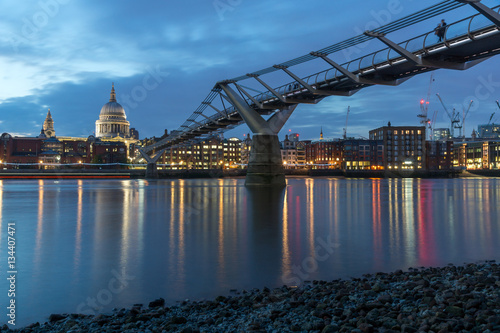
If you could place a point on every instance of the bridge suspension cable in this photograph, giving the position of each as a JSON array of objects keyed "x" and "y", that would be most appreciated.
[{"x": 401, "y": 23}]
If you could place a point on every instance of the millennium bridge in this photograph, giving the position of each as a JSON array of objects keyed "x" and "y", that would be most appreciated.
[{"x": 464, "y": 44}]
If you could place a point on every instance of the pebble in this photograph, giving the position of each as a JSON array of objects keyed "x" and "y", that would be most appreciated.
[{"x": 448, "y": 299}]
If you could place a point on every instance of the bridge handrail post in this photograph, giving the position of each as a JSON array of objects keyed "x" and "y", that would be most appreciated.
[
  {"x": 423, "y": 44},
  {"x": 468, "y": 29},
  {"x": 445, "y": 38}
]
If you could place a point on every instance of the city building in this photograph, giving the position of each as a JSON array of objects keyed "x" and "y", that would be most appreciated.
[
  {"x": 474, "y": 155},
  {"x": 361, "y": 154},
  {"x": 288, "y": 153},
  {"x": 134, "y": 134},
  {"x": 439, "y": 155},
  {"x": 214, "y": 153},
  {"x": 43, "y": 152},
  {"x": 403, "y": 146},
  {"x": 324, "y": 154},
  {"x": 489, "y": 131},
  {"x": 441, "y": 134},
  {"x": 246, "y": 147}
]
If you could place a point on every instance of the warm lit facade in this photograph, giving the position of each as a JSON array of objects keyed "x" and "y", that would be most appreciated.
[
  {"x": 359, "y": 154},
  {"x": 325, "y": 154},
  {"x": 473, "y": 155},
  {"x": 22, "y": 152},
  {"x": 403, "y": 146},
  {"x": 214, "y": 153},
  {"x": 289, "y": 152}
]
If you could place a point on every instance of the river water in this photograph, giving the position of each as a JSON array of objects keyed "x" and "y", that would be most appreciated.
[{"x": 90, "y": 246}]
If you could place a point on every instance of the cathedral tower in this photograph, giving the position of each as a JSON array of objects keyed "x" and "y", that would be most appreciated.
[{"x": 48, "y": 126}]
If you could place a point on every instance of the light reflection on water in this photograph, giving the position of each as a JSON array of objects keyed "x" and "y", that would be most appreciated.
[{"x": 196, "y": 239}]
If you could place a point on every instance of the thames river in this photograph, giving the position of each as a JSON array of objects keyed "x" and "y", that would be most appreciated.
[{"x": 90, "y": 246}]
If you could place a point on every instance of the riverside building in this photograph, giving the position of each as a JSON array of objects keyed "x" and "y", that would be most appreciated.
[{"x": 403, "y": 146}]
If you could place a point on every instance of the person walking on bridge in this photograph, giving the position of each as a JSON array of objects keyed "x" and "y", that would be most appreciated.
[{"x": 440, "y": 30}]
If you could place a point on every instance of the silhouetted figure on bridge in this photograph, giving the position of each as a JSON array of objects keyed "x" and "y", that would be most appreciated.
[{"x": 440, "y": 30}]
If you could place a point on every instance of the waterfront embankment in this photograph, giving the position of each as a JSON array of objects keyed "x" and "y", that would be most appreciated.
[
  {"x": 463, "y": 298},
  {"x": 219, "y": 173}
]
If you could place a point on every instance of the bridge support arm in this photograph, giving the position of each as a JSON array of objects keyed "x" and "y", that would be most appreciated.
[
  {"x": 255, "y": 122},
  {"x": 151, "y": 170},
  {"x": 256, "y": 102},
  {"x": 485, "y": 10},
  {"x": 296, "y": 78},
  {"x": 208, "y": 118},
  {"x": 278, "y": 120},
  {"x": 401, "y": 51},
  {"x": 154, "y": 158},
  {"x": 341, "y": 69},
  {"x": 217, "y": 110},
  {"x": 267, "y": 87}
]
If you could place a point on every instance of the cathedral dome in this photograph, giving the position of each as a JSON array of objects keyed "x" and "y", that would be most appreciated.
[
  {"x": 112, "y": 109},
  {"x": 112, "y": 119}
]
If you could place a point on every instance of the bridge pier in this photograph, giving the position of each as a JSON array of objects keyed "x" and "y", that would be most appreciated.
[
  {"x": 151, "y": 168},
  {"x": 151, "y": 171},
  {"x": 264, "y": 164}
]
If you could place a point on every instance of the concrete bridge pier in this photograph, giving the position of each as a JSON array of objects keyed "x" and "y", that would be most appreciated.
[
  {"x": 151, "y": 168},
  {"x": 265, "y": 166},
  {"x": 151, "y": 171}
]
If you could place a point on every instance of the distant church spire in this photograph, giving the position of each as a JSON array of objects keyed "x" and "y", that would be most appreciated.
[
  {"x": 112, "y": 97},
  {"x": 321, "y": 133},
  {"x": 48, "y": 126}
]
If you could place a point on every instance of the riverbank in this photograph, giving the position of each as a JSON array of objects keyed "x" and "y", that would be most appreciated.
[
  {"x": 219, "y": 173},
  {"x": 447, "y": 299}
]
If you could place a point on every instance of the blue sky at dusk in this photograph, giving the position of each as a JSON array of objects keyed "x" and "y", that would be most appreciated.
[{"x": 64, "y": 55}]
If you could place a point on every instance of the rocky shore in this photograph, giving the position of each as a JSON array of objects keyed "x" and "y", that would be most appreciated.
[{"x": 448, "y": 299}]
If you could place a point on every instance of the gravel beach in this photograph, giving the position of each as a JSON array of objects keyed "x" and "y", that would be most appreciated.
[{"x": 448, "y": 299}]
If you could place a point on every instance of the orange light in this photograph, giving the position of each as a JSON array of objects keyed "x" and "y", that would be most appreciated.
[{"x": 422, "y": 101}]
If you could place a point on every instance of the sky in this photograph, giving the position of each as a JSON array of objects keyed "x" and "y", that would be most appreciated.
[{"x": 165, "y": 56}]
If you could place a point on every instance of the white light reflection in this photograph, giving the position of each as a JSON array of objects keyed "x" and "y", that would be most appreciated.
[
  {"x": 310, "y": 214},
  {"x": 408, "y": 217},
  {"x": 78, "y": 236},
  {"x": 221, "y": 257},
  {"x": 286, "y": 260}
]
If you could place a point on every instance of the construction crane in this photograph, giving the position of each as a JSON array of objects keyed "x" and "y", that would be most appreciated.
[
  {"x": 346, "y": 117},
  {"x": 424, "y": 107},
  {"x": 454, "y": 118},
  {"x": 491, "y": 117},
  {"x": 464, "y": 115},
  {"x": 433, "y": 124},
  {"x": 493, "y": 114}
]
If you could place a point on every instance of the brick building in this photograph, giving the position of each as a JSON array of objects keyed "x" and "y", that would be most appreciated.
[{"x": 403, "y": 146}]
